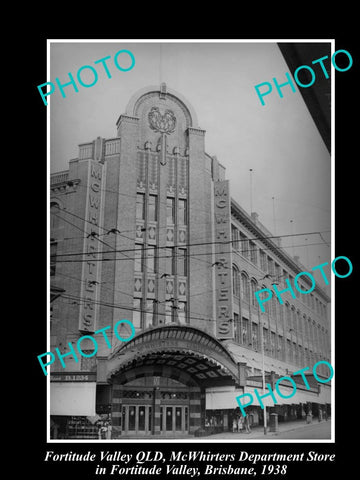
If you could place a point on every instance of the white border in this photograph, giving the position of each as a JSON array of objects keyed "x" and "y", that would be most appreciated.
[{"x": 332, "y": 322}]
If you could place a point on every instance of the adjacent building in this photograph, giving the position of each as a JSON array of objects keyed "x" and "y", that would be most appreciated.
[{"x": 143, "y": 228}]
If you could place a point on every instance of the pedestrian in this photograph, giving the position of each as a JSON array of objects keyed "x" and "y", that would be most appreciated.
[
  {"x": 240, "y": 424},
  {"x": 247, "y": 424},
  {"x": 235, "y": 425}
]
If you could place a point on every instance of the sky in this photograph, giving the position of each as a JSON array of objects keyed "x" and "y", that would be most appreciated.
[{"x": 291, "y": 167}]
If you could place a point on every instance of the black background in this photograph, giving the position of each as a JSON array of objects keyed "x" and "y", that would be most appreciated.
[{"x": 29, "y": 322}]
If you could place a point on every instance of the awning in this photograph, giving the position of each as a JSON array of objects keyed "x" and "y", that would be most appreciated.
[
  {"x": 222, "y": 398},
  {"x": 268, "y": 401},
  {"x": 73, "y": 398}
]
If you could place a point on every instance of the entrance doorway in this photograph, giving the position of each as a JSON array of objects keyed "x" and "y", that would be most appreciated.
[
  {"x": 137, "y": 419},
  {"x": 174, "y": 419}
]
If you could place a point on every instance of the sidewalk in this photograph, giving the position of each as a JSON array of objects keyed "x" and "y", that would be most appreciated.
[{"x": 258, "y": 431}]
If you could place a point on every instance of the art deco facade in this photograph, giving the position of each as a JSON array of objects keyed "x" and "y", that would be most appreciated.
[{"x": 143, "y": 228}]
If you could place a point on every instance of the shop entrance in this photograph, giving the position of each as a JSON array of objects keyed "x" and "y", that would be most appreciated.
[
  {"x": 137, "y": 419},
  {"x": 174, "y": 419}
]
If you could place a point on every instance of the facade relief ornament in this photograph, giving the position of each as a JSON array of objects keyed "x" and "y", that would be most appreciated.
[{"x": 165, "y": 123}]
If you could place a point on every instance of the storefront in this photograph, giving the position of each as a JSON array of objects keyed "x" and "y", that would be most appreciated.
[{"x": 166, "y": 382}]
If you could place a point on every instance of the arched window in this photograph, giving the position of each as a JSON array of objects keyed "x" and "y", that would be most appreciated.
[
  {"x": 253, "y": 288},
  {"x": 235, "y": 280},
  {"x": 245, "y": 292}
]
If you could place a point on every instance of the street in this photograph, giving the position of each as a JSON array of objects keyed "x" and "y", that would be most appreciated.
[{"x": 314, "y": 431}]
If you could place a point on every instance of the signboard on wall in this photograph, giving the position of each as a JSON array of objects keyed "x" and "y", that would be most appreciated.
[{"x": 224, "y": 310}]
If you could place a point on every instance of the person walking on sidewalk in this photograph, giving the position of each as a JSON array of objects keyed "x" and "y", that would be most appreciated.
[{"x": 247, "y": 424}]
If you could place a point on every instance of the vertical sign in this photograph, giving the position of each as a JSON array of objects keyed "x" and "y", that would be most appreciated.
[
  {"x": 224, "y": 310},
  {"x": 87, "y": 320}
]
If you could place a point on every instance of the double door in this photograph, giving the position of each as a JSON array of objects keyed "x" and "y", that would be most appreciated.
[
  {"x": 174, "y": 419},
  {"x": 138, "y": 419}
]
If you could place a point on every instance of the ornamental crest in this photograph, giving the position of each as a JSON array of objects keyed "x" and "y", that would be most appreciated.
[{"x": 162, "y": 123}]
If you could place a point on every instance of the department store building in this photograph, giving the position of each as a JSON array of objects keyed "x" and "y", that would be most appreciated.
[{"x": 143, "y": 228}]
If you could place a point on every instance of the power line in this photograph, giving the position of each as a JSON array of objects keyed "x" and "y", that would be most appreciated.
[{"x": 203, "y": 243}]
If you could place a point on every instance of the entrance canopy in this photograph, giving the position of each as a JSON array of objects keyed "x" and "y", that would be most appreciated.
[{"x": 181, "y": 352}]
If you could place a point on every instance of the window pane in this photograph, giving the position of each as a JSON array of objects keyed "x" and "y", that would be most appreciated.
[
  {"x": 152, "y": 208},
  {"x": 182, "y": 270},
  {"x": 139, "y": 257},
  {"x": 170, "y": 210},
  {"x": 178, "y": 418},
  {"x": 141, "y": 417},
  {"x": 131, "y": 417},
  {"x": 150, "y": 261},
  {"x": 169, "y": 418},
  {"x": 140, "y": 206},
  {"x": 169, "y": 312},
  {"x": 182, "y": 220},
  {"x": 137, "y": 313},
  {"x": 170, "y": 261},
  {"x": 182, "y": 312},
  {"x": 149, "y": 314},
  {"x": 245, "y": 331}
]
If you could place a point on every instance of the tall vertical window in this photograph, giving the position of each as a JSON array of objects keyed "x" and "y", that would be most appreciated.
[
  {"x": 152, "y": 208},
  {"x": 182, "y": 262},
  {"x": 272, "y": 343},
  {"x": 235, "y": 238},
  {"x": 263, "y": 262},
  {"x": 288, "y": 351},
  {"x": 266, "y": 339},
  {"x": 254, "y": 339},
  {"x": 235, "y": 279},
  {"x": 245, "y": 331},
  {"x": 170, "y": 261},
  {"x": 253, "y": 253},
  {"x": 277, "y": 272},
  {"x": 149, "y": 313},
  {"x": 182, "y": 213},
  {"x": 253, "y": 289},
  {"x": 170, "y": 210},
  {"x": 181, "y": 311},
  {"x": 53, "y": 250},
  {"x": 54, "y": 219},
  {"x": 169, "y": 311},
  {"x": 271, "y": 267},
  {"x": 140, "y": 206},
  {"x": 139, "y": 257},
  {"x": 150, "y": 259},
  {"x": 244, "y": 245},
  {"x": 237, "y": 332},
  {"x": 245, "y": 287},
  {"x": 136, "y": 320},
  {"x": 280, "y": 348}
]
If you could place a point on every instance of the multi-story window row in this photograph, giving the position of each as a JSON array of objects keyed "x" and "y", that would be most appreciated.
[
  {"x": 260, "y": 258},
  {"x": 289, "y": 335}
]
